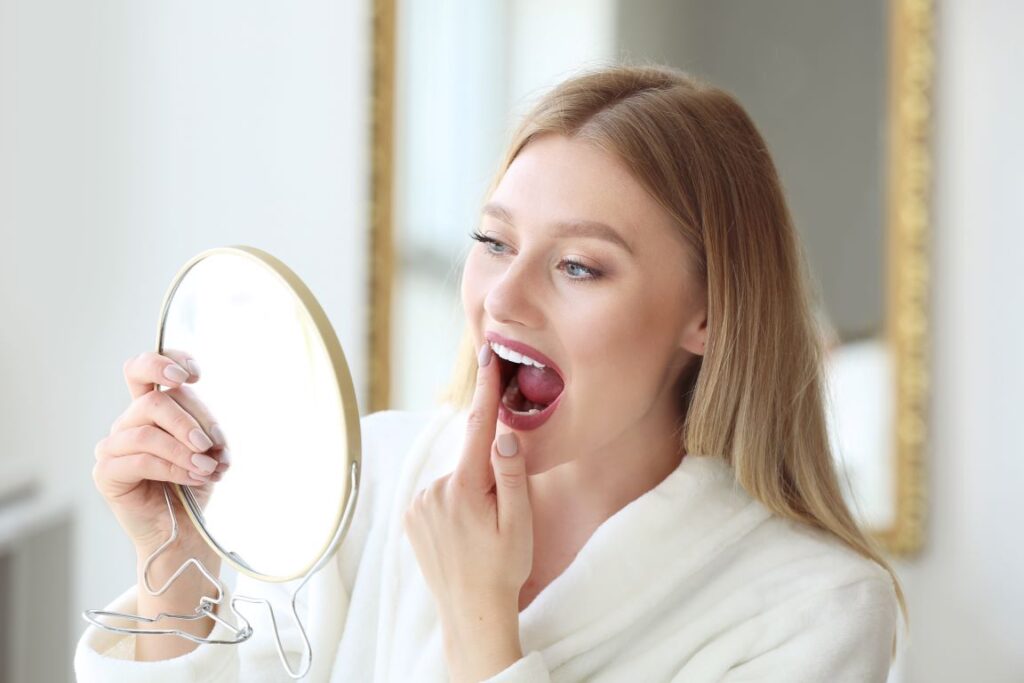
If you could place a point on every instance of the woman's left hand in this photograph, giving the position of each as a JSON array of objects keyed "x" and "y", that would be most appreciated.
[{"x": 472, "y": 532}]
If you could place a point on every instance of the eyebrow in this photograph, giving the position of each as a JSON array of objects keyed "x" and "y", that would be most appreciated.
[{"x": 575, "y": 228}]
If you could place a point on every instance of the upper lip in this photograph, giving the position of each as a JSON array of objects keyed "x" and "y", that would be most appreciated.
[{"x": 525, "y": 349}]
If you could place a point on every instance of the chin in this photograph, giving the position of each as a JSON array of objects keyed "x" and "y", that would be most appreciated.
[
  {"x": 537, "y": 461},
  {"x": 533, "y": 467}
]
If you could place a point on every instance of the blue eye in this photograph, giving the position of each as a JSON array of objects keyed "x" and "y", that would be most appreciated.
[{"x": 489, "y": 242}]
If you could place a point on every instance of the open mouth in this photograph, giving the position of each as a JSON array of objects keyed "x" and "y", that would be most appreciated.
[{"x": 526, "y": 389}]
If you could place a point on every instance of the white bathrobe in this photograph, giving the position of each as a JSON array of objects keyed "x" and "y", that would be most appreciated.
[{"x": 693, "y": 581}]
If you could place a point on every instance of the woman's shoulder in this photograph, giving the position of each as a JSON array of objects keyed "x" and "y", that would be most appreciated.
[
  {"x": 810, "y": 602},
  {"x": 795, "y": 562},
  {"x": 805, "y": 606},
  {"x": 775, "y": 549}
]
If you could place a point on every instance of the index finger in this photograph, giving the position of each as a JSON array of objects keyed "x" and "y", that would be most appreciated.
[
  {"x": 149, "y": 368},
  {"x": 474, "y": 467}
]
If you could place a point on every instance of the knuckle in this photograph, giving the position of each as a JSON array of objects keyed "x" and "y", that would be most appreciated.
[
  {"x": 455, "y": 483},
  {"x": 475, "y": 419},
  {"x": 152, "y": 400},
  {"x": 167, "y": 469},
  {"x": 139, "y": 361},
  {"x": 141, "y": 435},
  {"x": 511, "y": 480},
  {"x": 435, "y": 492},
  {"x": 181, "y": 422}
]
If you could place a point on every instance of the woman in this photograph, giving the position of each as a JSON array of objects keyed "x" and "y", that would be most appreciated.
[{"x": 649, "y": 494}]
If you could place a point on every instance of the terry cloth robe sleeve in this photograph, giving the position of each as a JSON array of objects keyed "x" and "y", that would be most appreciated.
[
  {"x": 841, "y": 634},
  {"x": 102, "y": 655}
]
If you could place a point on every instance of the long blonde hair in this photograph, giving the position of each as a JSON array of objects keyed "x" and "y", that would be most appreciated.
[{"x": 756, "y": 397}]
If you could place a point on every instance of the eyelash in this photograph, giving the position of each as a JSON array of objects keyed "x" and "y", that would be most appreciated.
[{"x": 594, "y": 273}]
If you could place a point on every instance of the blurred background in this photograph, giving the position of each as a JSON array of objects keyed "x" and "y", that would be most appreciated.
[{"x": 133, "y": 136}]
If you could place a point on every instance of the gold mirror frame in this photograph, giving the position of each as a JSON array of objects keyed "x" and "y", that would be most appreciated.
[
  {"x": 907, "y": 244},
  {"x": 909, "y": 214}
]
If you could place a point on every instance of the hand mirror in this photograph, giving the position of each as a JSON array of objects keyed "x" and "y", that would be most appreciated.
[{"x": 274, "y": 379}]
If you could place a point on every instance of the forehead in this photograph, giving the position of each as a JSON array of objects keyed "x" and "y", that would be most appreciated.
[{"x": 558, "y": 179}]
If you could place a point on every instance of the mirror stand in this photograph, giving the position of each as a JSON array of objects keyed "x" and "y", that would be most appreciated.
[{"x": 207, "y": 604}]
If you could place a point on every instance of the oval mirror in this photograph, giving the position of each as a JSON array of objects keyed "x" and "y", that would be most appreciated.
[{"x": 274, "y": 379}]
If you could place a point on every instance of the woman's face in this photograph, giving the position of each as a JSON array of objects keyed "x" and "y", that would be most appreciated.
[{"x": 620, "y": 323}]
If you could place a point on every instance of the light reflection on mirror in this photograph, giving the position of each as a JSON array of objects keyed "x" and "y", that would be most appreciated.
[{"x": 268, "y": 381}]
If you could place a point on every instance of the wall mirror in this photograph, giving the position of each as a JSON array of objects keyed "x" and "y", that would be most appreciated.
[{"x": 839, "y": 90}]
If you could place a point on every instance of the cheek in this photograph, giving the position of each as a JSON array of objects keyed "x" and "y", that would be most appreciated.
[{"x": 619, "y": 344}]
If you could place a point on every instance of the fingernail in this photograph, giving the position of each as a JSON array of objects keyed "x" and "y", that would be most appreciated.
[
  {"x": 199, "y": 440},
  {"x": 199, "y": 477},
  {"x": 175, "y": 373},
  {"x": 507, "y": 444},
  {"x": 205, "y": 463},
  {"x": 218, "y": 435},
  {"x": 484, "y": 357},
  {"x": 193, "y": 367}
]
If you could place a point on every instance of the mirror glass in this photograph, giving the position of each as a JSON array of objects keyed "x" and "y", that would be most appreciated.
[
  {"x": 814, "y": 77},
  {"x": 274, "y": 380}
]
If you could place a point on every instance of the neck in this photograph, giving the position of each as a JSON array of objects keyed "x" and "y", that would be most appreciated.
[{"x": 578, "y": 496}]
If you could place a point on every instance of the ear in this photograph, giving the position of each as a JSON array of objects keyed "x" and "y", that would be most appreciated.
[{"x": 695, "y": 335}]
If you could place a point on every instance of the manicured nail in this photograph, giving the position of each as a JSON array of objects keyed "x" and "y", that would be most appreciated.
[
  {"x": 175, "y": 373},
  {"x": 205, "y": 463},
  {"x": 199, "y": 440},
  {"x": 484, "y": 357},
  {"x": 193, "y": 367},
  {"x": 218, "y": 435},
  {"x": 507, "y": 444},
  {"x": 199, "y": 477}
]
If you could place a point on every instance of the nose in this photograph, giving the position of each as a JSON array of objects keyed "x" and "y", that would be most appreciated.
[{"x": 512, "y": 297}]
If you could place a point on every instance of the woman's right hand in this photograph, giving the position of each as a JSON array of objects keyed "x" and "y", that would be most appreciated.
[{"x": 154, "y": 441}]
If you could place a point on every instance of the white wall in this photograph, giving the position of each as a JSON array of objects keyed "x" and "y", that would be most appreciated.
[
  {"x": 133, "y": 136},
  {"x": 966, "y": 591}
]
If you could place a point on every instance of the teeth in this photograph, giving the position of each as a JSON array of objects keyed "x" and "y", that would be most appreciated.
[
  {"x": 511, "y": 393},
  {"x": 515, "y": 357}
]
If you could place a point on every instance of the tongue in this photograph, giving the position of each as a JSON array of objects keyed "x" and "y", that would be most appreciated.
[{"x": 540, "y": 386}]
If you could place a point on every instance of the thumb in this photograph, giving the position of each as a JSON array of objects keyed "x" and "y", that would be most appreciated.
[{"x": 510, "y": 482}]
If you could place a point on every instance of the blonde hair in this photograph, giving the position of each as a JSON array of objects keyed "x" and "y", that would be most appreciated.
[{"x": 756, "y": 397}]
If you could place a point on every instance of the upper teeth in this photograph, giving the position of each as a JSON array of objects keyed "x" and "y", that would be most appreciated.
[{"x": 514, "y": 356}]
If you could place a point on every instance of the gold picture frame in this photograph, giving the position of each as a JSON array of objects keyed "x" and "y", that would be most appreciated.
[{"x": 908, "y": 164}]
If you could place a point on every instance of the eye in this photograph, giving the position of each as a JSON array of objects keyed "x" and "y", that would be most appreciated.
[
  {"x": 590, "y": 273},
  {"x": 488, "y": 242}
]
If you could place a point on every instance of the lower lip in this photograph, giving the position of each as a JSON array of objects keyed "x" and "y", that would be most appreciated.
[{"x": 527, "y": 422}]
